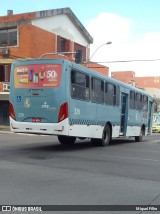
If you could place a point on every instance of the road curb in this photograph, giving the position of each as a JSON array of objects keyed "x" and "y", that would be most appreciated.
[{"x": 6, "y": 132}]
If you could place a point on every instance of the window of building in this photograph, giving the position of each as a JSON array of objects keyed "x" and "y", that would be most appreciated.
[
  {"x": 8, "y": 37},
  {"x": 83, "y": 51},
  {"x": 79, "y": 85},
  {"x": 97, "y": 90},
  {"x": 63, "y": 45},
  {"x": 5, "y": 73}
]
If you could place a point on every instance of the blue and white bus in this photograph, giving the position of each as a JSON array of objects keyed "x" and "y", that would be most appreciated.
[{"x": 62, "y": 98}]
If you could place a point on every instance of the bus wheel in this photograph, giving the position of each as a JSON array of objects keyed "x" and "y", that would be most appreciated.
[
  {"x": 106, "y": 136},
  {"x": 66, "y": 139},
  {"x": 139, "y": 138}
]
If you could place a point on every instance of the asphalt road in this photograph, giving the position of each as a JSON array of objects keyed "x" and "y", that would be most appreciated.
[{"x": 38, "y": 170}]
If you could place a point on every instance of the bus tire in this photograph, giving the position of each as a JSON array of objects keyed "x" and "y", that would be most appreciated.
[
  {"x": 140, "y": 137},
  {"x": 106, "y": 137},
  {"x": 67, "y": 140}
]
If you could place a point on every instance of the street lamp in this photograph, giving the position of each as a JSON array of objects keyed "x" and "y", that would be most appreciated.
[{"x": 107, "y": 43}]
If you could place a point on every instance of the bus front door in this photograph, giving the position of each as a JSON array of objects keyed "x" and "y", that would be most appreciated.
[{"x": 124, "y": 114}]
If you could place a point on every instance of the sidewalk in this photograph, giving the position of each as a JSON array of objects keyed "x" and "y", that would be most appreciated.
[{"x": 4, "y": 128}]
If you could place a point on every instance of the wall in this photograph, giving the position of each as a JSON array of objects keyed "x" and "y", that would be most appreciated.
[
  {"x": 97, "y": 67},
  {"x": 17, "y": 17},
  {"x": 151, "y": 82},
  {"x": 124, "y": 76},
  {"x": 61, "y": 25},
  {"x": 33, "y": 42},
  {"x": 141, "y": 82}
]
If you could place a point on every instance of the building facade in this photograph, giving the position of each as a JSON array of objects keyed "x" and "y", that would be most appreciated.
[{"x": 31, "y": 35}]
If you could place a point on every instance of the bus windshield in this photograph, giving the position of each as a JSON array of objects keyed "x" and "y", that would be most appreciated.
[{"x": 37, "y": 76}]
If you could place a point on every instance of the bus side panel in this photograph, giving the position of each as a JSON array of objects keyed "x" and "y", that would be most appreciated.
[
  {"x": 109, "y": 114},
  {"x": 88, "y": 119},
  {"x": 138, "y": 118}
]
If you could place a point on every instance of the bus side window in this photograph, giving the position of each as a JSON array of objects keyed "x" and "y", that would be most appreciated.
[
  {"x": 117, "y": 95},
  {"x": 145, "y": 103},
  {"x": 132, "y": 100},
  {"x": 111, "y": 94},
  {"x": 97, "y": 90},
  {"x": 138, "y": 101},
  {"x": 79, "y": 85}
]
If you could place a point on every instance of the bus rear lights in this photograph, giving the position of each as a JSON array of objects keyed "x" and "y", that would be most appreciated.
[
  {"x": 63, "y": 112},
  {"x": 36, "y": 120},
  {"x": 11, "y": 111}
]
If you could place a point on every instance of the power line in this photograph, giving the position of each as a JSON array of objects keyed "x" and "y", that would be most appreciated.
[{"x": 132, "y": 60}]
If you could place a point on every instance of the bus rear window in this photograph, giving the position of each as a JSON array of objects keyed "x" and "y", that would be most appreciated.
[{"x": 37, "y": 76}]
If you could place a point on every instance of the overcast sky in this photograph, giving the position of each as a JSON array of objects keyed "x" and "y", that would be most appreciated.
[{"x": 133, "y": 26}]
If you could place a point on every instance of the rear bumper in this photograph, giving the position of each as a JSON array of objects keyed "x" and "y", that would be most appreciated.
[{"x": 40, "y": 128}]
